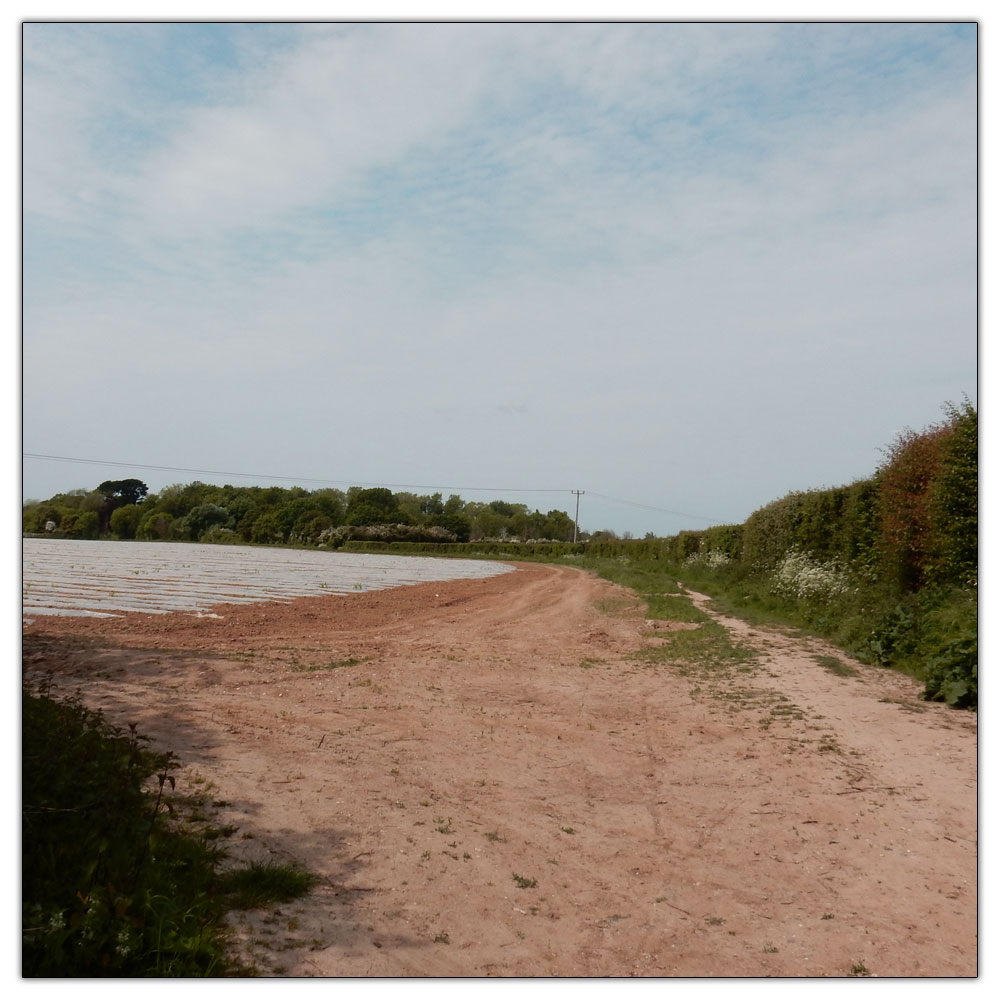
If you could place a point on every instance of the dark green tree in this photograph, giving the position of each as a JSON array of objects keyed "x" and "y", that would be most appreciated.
[
  {"x": 126, "y": 490},
  {"x": 458, "y": 525},
  {"x": 205, "y": 516},
  {"x": 125, "y": 520},
  {"x": 117, "y": 493}
]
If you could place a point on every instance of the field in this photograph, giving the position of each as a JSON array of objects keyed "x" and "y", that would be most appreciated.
[
  {"x": 529, "y": 775},
  {"x": 71, "y": 577}
]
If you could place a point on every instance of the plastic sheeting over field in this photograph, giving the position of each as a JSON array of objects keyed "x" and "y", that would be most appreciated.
[{"x": 65, "y": 577}]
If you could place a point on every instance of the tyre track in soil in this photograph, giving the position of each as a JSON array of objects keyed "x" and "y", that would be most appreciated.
[{"x": 480, "y": 730}]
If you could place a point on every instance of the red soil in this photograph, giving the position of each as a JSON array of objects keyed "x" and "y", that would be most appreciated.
[{"x": 503, "y": 728}]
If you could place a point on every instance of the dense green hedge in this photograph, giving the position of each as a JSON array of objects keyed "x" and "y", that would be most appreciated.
[{"x": 887, "y": 565}]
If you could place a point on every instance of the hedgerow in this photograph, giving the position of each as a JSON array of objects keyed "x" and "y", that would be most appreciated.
[{"x": 885, "y": 566}]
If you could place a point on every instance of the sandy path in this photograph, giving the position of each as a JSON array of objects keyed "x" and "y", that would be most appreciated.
[{"x": 785, "y": 822}]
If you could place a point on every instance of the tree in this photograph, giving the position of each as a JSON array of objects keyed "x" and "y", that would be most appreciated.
[
  {"x": 86, "y": 525},
  {"x": 126, "y": 490},
  {"x": 118, "y": 493},
  {"x": 456, "y": 524},
  {"x": 155, "y": 526},
  {"x": 125, "y": 520},
  {"x": 431, "y": 504},
  {"x": 375, "y": 506},
  {"x": 205, "y": 516},
  {"x": 559, "y": 526}
]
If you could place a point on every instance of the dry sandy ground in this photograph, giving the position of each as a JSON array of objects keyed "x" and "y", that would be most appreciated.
[{"x": 499, "y": 786}]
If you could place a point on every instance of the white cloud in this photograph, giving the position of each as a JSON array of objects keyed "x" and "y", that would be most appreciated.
[{"x": 596, "y": 239}]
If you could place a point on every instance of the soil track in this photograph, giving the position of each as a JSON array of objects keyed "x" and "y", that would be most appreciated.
[{"x": 429, "y": 750}]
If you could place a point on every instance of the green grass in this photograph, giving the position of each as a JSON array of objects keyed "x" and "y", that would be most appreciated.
[
  {"x": 836, "y": 666},
  {"x": 121, "y": 877},
  {"x": 259, "y": 884}
]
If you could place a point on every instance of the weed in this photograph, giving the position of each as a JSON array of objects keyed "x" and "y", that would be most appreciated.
[
  {"x": 524, "y": 883},
  {"x": 567, "y": 829},
  {"x": 827, "y": 916},
  {"x": 708, "y": 648},
  {"x": 443, "y": 826},
  {"x": 836, "y": 666},
  {"x": 261, "y": 883},
  {"x": 715, "y": 921},
  {"x": 494, "y": 837},
  {"x": 769, "y": 948},
  {"x": 442, "y": 938},
  {"x": 859, "y": 969},
  {"x": 350, "y": 661},
  {"x": 906, "y": 706}
]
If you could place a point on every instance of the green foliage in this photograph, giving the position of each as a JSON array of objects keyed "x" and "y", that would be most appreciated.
[
  {"x": 35, "y": 517},
  {"x": 950, "y": 636},
  {"x": 115, "y": 882},
  {"x": 105, "y": 881},
  {"x": 953, "y": 507},
  {"x": 374, "y": 506},
  {"x": 155, "y": 526},
  {"x": 84, "y": 525},
  {"x": 724, "y": 538},
  {"x": 456, "y": 525},
  {"x": 127, "y": 491},
  {"x": 905, "y": 490},
  {"x": 206, "y": 516},
  {"x": 125, "y": 521},
  {"x": 265, "y": 882},
  {"x": 220, "y": 535},
  {"x": 118, "y": 493},
  {"x": 278, "y": 516}
]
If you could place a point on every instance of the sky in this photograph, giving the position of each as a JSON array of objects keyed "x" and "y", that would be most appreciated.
[{"x": 685, "y": 268}]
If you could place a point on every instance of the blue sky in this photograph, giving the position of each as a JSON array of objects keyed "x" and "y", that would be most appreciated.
[{"x": 688, "y": 266}]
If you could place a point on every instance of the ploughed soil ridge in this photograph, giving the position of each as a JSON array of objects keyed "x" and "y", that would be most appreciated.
[{"x": 491, "y": 779}]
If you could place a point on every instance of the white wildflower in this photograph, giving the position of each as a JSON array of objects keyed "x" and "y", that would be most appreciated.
[
  {"x": 122, "y": 947},
  {"x": 798, "y": 575}
]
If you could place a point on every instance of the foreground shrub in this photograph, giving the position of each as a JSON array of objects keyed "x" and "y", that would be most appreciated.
[
  {"x": 107, "y": 888},
  {"x": 114, "y": 883}
]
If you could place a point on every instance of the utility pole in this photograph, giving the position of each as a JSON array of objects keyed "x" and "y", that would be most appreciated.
[{"x": 576, "y": 523}]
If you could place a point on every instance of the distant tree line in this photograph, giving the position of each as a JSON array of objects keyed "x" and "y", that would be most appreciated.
[{"x": 274, "y": 515}]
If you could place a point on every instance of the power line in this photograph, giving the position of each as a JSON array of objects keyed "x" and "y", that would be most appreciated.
[
  {"x": 348, "y": 482},
  {"x": 662, "y": 510},
  {"x": 289, "y": 479}
]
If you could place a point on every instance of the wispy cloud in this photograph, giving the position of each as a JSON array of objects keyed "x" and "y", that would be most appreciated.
[{"x": 627, "y": 246}]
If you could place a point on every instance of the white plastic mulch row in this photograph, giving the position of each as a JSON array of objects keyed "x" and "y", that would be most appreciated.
[{"x": 64, "y": 577}]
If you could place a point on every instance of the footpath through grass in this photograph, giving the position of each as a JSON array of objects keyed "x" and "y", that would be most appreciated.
[
  {"x": 121, "y": 876},
  {"x": 931, "y": 633}
]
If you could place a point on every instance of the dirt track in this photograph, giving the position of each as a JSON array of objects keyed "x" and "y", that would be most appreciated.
[{"x": 796, "y": 823}]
